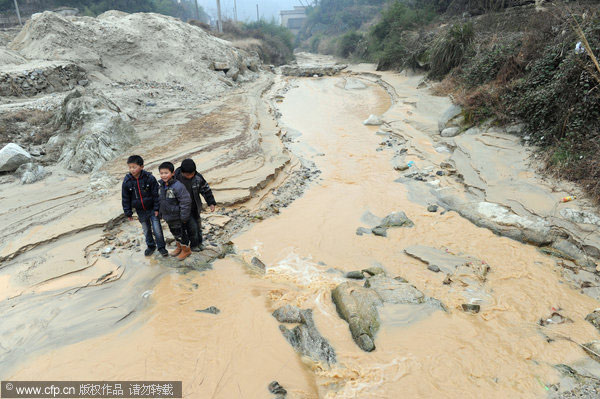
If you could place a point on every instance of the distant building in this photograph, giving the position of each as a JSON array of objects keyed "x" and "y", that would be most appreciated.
[{"x": 293, "y": 19}]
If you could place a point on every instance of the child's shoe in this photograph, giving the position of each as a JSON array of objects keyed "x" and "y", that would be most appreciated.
[
  {"x": 185, "y": 252},
  {"x": 163, "y": 252},
  {"x": 177, "y": 250},
  {"x": 149, "y": 251}
]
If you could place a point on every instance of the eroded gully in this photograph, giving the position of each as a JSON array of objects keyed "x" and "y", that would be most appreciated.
[{"x": 496, "y": 353}]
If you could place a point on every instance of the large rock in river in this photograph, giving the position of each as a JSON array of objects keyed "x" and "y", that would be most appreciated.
[
  {"x": 358, "y": 306},
  {"x": 396, "y": 219},
  {"x": 453, "y": 265},
  {"x": 304, "y": 338}
]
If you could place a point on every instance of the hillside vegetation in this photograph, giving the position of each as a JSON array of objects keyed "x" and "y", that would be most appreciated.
[
  {"x": 504, "y": 62},
  {"x": 273, "y": 43}
]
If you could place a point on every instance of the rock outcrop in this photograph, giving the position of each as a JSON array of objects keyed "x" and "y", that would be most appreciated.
[
  {"x": 92, "y": 130},
  {"x": 30, "y": 173},
  {"x": 310, "y": 71},
  {"x": 43, "y": 77},
  {"x": 594, "y": 318},
  {"x": 304, "y": 338},
  {"x": 456, "y": 267},
  {"x": 528, "y": 229},
  {"x": 579, "y": 216},
  {"x": 450, "y": 118}
]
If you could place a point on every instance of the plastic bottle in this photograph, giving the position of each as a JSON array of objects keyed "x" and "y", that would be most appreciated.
[{"x": 568, "y": 198}]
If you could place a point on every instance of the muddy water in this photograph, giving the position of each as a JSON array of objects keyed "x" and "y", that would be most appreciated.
[{"x": 497, "y": 353}]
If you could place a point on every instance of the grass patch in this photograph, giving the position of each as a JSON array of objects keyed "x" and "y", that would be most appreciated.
[{"x": 449, "y": 49}]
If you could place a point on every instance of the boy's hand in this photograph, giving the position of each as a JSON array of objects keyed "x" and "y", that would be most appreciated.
[
  {"x": 212, "y": 208},
  {"x": 156, "y": 213},
  {"x": 130, "y": 218}
]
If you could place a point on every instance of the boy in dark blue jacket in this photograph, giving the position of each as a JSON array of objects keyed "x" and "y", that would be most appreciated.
[
  {"x": 140, "y": 192},
  {"x": 175, "y": 208}
]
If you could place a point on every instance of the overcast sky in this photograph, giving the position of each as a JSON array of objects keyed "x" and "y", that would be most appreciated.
[{"x": 247, "y": 8}]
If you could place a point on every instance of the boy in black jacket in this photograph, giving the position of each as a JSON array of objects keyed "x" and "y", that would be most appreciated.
[
  {"x": 175, "y": 206},
  {"x": 196, "y": 185},
  {"x": 140, "y": 192}
]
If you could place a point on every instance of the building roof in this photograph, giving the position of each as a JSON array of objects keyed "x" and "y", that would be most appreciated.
[{"x": 298, "y": 10}]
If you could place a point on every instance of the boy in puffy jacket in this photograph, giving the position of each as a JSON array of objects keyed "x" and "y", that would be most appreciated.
[
  {"x": 196, "y": 185},
  {"x": 140, "y": 192},
  {"x": 175, "y": 208}
]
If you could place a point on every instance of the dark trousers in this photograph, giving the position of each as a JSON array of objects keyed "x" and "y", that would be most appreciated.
[
  {"x": 151, "y": 225},
  {"x": 180, "y": 232},
  {"x": 195, "y": 230}
]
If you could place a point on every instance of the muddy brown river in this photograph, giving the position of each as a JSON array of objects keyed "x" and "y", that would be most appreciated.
[{"x": 496, "y": 353}]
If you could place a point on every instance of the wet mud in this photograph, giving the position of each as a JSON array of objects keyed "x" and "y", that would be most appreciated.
[{"x": 156, "y": 328}]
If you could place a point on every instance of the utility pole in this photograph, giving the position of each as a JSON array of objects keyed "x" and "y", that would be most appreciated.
[
  {"x": 197, "y": 11},
  {"x": 257, "y": 17},
  {"x": 235, "y": 10},
  {"x": 219, "y": 20},
  {"x": 19, "y": 14}
]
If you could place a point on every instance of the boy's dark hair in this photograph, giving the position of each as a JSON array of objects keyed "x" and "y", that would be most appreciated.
[
  {"x": 167, "y": 165},
  {"x": 136, "y": 159},
  {"x": 188, "y": 166}
]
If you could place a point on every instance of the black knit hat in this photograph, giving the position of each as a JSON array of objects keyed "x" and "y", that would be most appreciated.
[{"x": 188, "y": 166}]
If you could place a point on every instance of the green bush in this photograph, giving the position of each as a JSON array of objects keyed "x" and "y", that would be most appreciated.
[
  {"x": 390, "y": 43},
  {"x": 333, "y": 17},
  {"x": 485, "y": 65},
  {"x": 274, "y": 30},
  {"x": 399, "y": 17},
  {"x": 277, "y": 42},
  {"x": 314, "y": 43},
  {"x": 348, "y": 43},
  {"x": 553, "y": 90},
  {"x": 393, "y": 54},
  {"x": 556, "y": 99},
  {"x": 448, "y": 50}
]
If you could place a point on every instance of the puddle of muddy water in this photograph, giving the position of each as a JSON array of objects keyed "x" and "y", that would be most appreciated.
[{"x": 496, "y": 353}]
